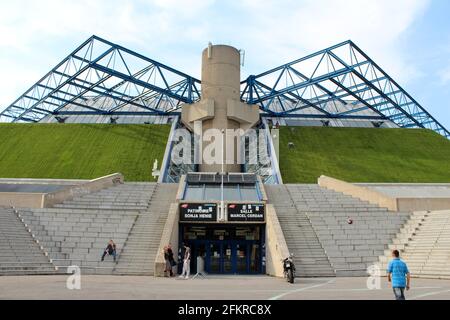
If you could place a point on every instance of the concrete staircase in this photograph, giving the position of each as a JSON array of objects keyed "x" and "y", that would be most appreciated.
[
  {"x": 127, "y": 196},
  {"x": 424, "y": 243},
  {"x": 350, "y": 248},
  {"x": 20, "y": 253},
  {"x": 139, "y": 253},
  {"x": 309, "y": 256},
  {"x": 76, "y": 232}
]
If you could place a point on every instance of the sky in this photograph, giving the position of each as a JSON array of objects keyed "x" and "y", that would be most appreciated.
[{"x": 409, "y": 39}]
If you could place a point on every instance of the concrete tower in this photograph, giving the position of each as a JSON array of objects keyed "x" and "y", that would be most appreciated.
[{"x": 220, "y": 106}]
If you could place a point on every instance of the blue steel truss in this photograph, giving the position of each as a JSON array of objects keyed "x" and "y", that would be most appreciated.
[
  {"x": 100, "y": 77},
  {"x": 342, "y": 76}
]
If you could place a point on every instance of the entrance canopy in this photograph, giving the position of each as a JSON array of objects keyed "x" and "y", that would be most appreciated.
[{"x": 226, "y": 187}]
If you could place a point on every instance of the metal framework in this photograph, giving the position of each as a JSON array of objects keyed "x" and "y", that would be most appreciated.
[
  {"x": 100, "y": 77},
  {"x": 340, "y": 82}
]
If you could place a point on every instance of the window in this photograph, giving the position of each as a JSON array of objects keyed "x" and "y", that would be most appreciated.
[
  {"x": 194, "y": 192},
  {"x": 212, "y": 192},
  {"x": 231, "y": 192},
  {"x": 249, "y": 193}
]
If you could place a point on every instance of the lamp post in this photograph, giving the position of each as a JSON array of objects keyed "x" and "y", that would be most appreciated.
[{"x": 222, "y": 173}]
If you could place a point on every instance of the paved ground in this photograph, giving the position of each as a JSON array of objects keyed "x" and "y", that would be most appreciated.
[{"x": 225, "y": 287}]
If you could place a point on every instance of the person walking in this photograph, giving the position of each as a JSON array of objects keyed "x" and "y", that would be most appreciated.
[
  {"x": 186, "y": 262},
  {"x": 398, "y": 275},
  {"x": 111, "y": 250}
]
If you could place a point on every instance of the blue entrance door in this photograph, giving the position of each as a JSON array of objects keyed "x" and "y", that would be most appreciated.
[
  {"x": 219, "y": 257},
  {"x": 231, "y": 257},
  {"x": 228, "y": 249}
]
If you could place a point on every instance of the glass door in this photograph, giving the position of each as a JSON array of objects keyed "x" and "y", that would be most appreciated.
[
  {"x": 227, "y": 257},
  {"x": 241, "y": 257},
  {"x": 255, "y": 258},
  {"x": 221, "y": 257},
  {"x": 225, "y": 249},
  {"x": 215, "y": 255}
]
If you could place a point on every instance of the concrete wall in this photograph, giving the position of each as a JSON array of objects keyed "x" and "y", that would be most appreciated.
[
  {"x": 360, "y": 192},
  {"x": 91, "y": 186},
  {"x": 21, "y": 199},
  {"x": 181, "y": 188},
  {"x": 168, "y": 152},
  {"x": 169, "y": 236},
  {"x": 70, "y": 182},
  {"x": 418, "y": 202},
  {"x": 276, "y": 247},
  {"x": 410, "y": 190},
  {"x": 262, "y": 189},
  {"x": 45, "y": 200},
  {"x": 220, "y": 107}
]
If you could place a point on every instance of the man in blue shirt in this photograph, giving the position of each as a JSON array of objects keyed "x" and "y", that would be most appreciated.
[{"x": 398, "y": 274}]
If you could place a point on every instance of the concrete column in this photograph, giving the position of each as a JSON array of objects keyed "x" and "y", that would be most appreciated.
[
  {"x": 220, "y": 82},
  {"x": 220, "y": 106}
]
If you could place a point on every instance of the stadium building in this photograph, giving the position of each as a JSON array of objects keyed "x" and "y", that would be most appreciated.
[{"x": 236, "y": 213}]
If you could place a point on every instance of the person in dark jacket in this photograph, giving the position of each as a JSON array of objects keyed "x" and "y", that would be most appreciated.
[
  {"x": 168, "y": 267},
  {"x": 110, "y": 250},
  {"x": 170, "y": 261}
]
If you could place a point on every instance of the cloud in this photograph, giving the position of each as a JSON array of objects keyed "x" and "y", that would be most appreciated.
[
  {"x": 444, "y": 75},
  {"x": 35, "y": 39},
  {"x": 375, "y": 26},
  {"x": 125, "y": 20},
  {"x": 35, "y": 35}
]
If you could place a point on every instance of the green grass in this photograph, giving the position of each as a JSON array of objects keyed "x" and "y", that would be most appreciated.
[
  {"x": 87, "y": 151},
  {"x": 80, "y": 151},
  {"x": 364, "y": 155}
]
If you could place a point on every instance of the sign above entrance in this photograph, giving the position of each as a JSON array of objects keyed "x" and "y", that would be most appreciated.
[
  {"x": 198, "y": 212},
  {"x": 245, "y": 212}
]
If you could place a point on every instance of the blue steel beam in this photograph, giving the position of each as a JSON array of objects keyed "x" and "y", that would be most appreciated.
[
  {"x": 334, "y": 116},
  {"x": 104, "y": 69},
  {"x": 116, "y": 113},
  {"x": 340, "y": 94},
  {"x": 342, "y": 73},
  {"x": 378, "y": 91},
  {"x": 431, "y": 122},
  {"x": 104, "y": 94},
  {"x": 339, "y": 73},
  {"x": 296, "y": 96}
]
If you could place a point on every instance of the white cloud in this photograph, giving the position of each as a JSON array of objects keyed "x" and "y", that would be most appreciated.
[
  {"x": 133, "y": 21},
  {"x": 174, "y": 31},
  {"x": 444, "y": 75},
  {"x": 37, "y": 33},
  {"x": 375, "y": 26}
]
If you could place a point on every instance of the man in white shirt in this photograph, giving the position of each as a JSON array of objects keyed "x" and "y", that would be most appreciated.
[{"x": 186, "y": 263}]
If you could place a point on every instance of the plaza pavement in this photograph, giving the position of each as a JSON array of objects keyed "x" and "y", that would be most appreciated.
[{"x": 214, "y": 287}]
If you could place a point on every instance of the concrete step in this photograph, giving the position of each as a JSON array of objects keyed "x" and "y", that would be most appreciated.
[
  {"x": 426, "y": 245},
  {"x": 349, "y": 248},
  {"x": 299, "y": 235},
  {"x": 139, "y": 252},
  {"x": 19, "y": 251}
]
